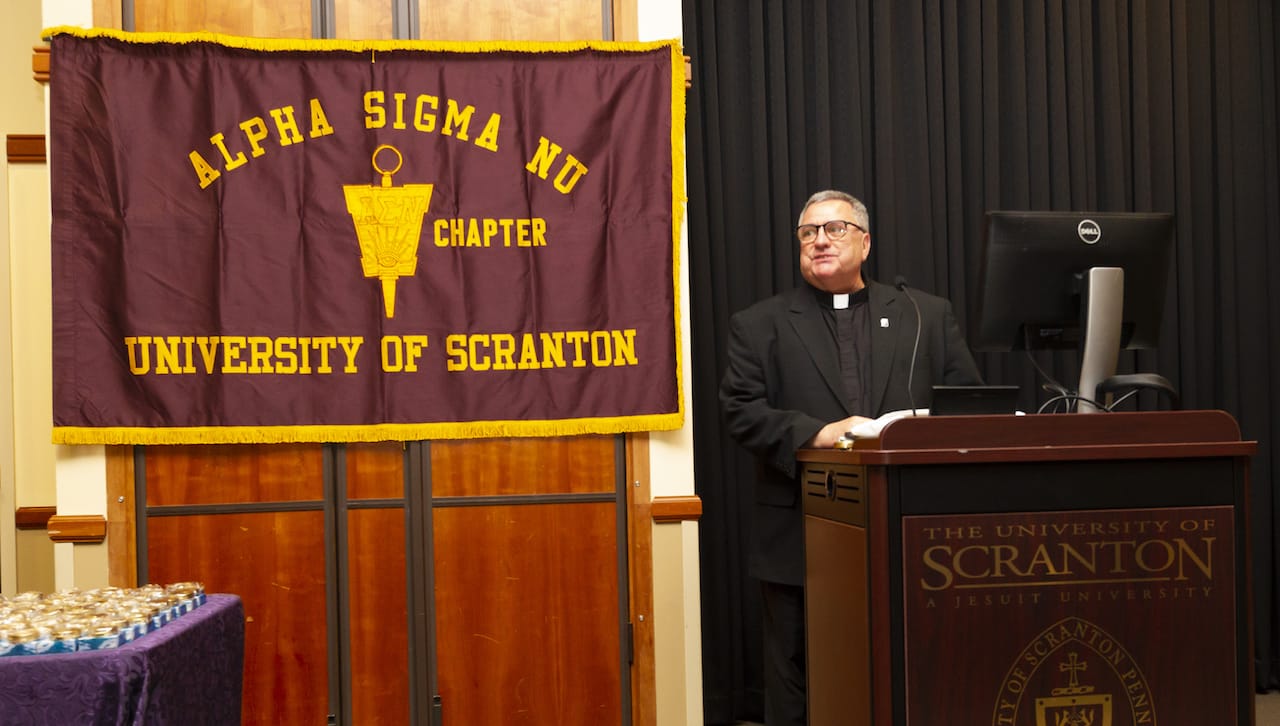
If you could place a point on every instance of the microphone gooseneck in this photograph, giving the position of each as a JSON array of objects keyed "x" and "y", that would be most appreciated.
[{"x": 900, "y": 282}]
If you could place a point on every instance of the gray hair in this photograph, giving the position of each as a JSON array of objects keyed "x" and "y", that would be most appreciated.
[{"x": 860, "y": 216}]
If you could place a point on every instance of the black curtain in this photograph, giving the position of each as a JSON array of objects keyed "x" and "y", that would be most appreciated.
[{"x": 934, "y": 114}]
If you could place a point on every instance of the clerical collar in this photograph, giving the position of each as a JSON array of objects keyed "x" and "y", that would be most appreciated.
[{"x": 840, "y": 301}]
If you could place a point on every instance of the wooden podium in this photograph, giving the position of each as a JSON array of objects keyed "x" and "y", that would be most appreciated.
[{"x": 1046, "y": 570}]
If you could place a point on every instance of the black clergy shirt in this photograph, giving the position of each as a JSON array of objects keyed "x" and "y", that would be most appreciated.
[{"x": 851, "y": 328}]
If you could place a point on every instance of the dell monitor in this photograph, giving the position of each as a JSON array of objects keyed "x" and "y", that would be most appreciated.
[{"x": 1094, "y": 281}]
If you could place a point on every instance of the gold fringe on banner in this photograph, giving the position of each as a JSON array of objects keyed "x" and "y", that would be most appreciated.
[
  {"x": 360, "y": 46},
  {"x": 363, "y": 433},
  {"x": 678, "y": 201}
]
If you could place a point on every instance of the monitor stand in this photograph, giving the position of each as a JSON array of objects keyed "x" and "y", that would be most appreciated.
[{"x": 1102, "y": 310}]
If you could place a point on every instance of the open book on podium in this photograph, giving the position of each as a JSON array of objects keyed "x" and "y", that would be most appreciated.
[{"x": 947, "y": 401}]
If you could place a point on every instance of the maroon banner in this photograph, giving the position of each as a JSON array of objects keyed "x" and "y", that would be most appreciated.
[
  {"x": 272, "y": 240},
  {"x": 1109, "y": 617}
]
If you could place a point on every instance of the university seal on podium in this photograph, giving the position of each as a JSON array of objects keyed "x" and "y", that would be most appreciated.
[
  {"x": 388, "y": 223},
  {"x": 1074, "y": 704},
  {"x": 1096, "y": 665}
]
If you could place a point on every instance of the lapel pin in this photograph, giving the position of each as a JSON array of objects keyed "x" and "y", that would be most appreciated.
[{"x": 884, "y": 322}]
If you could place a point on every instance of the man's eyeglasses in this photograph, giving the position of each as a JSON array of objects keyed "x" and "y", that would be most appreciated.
[{"x": 835, "y": 230}]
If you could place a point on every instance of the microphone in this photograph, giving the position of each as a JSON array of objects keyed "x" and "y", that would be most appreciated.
[{"x": 900, "y": 282}]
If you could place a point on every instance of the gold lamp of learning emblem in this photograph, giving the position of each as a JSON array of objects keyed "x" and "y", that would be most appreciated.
[{"x": 388, "y": 224}]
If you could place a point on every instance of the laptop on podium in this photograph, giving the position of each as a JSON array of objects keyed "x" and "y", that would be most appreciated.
[{"x": 973, "y": 400}]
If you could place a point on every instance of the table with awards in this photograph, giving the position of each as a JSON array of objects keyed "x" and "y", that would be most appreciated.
[{"x": 150, "y": 655}]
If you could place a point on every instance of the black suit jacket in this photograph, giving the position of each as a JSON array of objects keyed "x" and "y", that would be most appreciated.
[{"x": 783, "y": 384}]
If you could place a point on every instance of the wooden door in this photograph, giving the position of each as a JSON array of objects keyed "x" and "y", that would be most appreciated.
[
  {"x": 249, "y": 520},
  {"x": 314, "y": 540},
  {"x": 518, "y": 607},
  {"x": 373, "y": 630},
  {"x": 529, "y": 562}
]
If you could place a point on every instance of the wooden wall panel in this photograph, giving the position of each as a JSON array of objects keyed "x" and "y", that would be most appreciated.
[
  {"x": 375, "y": 471},
  {"x": 233, "y": 473},
  {"x": 274, "y": 19},
  {"x": 274, "y": 562},
  {"x": 378, "y": 612},
  {"x": 107, "y": 14},
  {"x": 512, "y": 20},
  {"x": 528, "y": 622},
  {"x": 491, "y": 467},
  {"x": 363, "y": 19},
  {"x": 626, "y": 21}
]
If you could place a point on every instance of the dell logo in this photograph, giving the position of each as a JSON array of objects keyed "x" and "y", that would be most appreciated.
[{"x": 1089, "y": 231}]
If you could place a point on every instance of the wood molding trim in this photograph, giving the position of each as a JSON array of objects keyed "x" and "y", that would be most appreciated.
[
  {"x": 676, "y": 509},
  {"x": 40, "y": 63},
  {"x": 33, "y": 517},
  {"x": 78, "y": 528},
  {"x": 25, "y": 148},
  {"x": 644, "y": 680}
]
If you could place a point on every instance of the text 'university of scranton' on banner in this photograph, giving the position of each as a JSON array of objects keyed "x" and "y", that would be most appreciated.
[{"x": 262, "y": 240}]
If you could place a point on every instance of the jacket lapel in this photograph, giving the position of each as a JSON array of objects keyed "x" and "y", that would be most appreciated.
[
  {"x": 808, "y": 320},
  {"x": 889, "y": 329}
]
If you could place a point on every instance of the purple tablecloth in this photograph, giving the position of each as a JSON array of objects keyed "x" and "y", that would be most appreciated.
[{"x": 188, "y": 672}]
